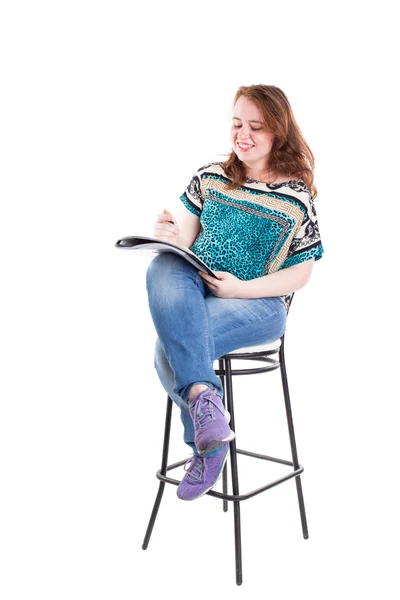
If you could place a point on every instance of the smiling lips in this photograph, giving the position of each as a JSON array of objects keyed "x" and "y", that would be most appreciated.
[{"x": 245, "y": 147}]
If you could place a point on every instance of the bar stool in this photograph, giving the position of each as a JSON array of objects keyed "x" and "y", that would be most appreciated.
[{"x": 274, "y": 355}]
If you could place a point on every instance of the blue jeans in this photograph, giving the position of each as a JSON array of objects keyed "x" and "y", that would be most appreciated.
[{"x": 195, "y": 327}]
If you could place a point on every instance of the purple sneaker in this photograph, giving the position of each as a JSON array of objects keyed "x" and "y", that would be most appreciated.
[
  {"x": 202, "y": 474},
  {"x": 210, "y": 421}
]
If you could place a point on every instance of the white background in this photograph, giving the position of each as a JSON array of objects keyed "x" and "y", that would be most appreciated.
[{"x": 107, "y": 110}]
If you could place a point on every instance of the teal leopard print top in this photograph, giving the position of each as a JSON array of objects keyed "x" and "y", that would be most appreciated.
[{"x": 254, "y": 230}]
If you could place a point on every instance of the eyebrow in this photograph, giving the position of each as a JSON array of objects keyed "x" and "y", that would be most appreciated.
[{"x": 251, "y": 121}]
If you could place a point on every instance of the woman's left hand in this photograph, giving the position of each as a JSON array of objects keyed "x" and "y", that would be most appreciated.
[{"x": 228, "y": 286}]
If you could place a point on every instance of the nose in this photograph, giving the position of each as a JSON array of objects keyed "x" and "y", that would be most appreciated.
[
  {"x": 244, "y": 140},
  {"x": 243, "y": 136}
]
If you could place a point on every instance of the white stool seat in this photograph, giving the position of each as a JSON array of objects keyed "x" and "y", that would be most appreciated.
[{"x": 261, "y": 348}]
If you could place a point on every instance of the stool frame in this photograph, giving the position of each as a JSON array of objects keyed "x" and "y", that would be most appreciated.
[{"x": 226, "y": 372}]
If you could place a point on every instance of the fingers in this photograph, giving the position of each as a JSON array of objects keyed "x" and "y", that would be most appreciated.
[
  {"x": 161, "y": 218},
  {"x": 166, "y": 234},
  {"x": 167, "y": 224},
  {"x": 166, "y": 212},
  {"x": 164, "y": 229},
  {"x": 206, "y": 277},
  {"x": 207, "y": 280}
]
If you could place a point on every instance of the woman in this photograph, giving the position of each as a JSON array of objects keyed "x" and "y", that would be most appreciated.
[{"x": 252, "y": 220}]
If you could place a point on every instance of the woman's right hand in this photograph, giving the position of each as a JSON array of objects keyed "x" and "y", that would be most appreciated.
[{"x": 165, "y": 231}]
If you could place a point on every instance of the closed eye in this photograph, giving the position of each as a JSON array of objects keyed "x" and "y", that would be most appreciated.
[{"x": 253, "y": 128}]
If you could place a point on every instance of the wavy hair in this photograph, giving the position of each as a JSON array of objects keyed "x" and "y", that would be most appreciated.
[{"x": 290, "y": 152}]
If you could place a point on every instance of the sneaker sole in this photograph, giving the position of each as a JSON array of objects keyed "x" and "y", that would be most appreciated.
[
  {"x": 217, "y": 443},
  {"x": 216, "y": 481}
]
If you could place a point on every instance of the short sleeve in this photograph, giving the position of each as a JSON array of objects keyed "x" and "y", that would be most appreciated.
[
  {"x": 306, "y": 243},
  {"x": 192, "y": 197}
]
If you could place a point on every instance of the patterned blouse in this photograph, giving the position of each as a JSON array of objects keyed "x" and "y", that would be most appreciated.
[{"x": 254, "y": 230}]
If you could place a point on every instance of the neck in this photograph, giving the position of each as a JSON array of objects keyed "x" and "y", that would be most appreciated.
[{"x": 263, "y": 176}]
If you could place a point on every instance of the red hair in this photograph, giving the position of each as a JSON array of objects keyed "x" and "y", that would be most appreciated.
[{"x": 290, "y": 152}]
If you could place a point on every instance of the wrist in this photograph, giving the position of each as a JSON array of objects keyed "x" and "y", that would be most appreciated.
[{"x": 241, "y": 289}]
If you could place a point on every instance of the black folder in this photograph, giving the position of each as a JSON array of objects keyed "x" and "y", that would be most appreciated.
[{"x": 149, "y": 245}]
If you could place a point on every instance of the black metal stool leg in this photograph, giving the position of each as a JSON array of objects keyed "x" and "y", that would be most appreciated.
[
  {"x": 164, "y": 463},
  {"x": 235, "y": 479},
  {"x": 225, "y": 470},
  {"x": 292, "y": 438}
]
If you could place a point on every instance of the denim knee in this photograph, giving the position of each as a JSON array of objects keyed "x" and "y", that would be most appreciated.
[
  {"x": 155, "y": 267},
  {"x": 166, "y": 263}
]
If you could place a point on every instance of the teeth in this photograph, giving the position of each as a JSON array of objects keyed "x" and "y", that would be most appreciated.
[{"x": 245, "y": 145}]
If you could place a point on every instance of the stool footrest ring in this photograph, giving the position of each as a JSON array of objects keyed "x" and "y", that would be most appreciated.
[{"x": 239, "y": 497}]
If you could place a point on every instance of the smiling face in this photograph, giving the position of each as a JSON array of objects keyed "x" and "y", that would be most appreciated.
[{"x": 248, "y": 130}]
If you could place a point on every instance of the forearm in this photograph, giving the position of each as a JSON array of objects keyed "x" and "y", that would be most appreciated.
[{"x": 280, "y": 283}]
